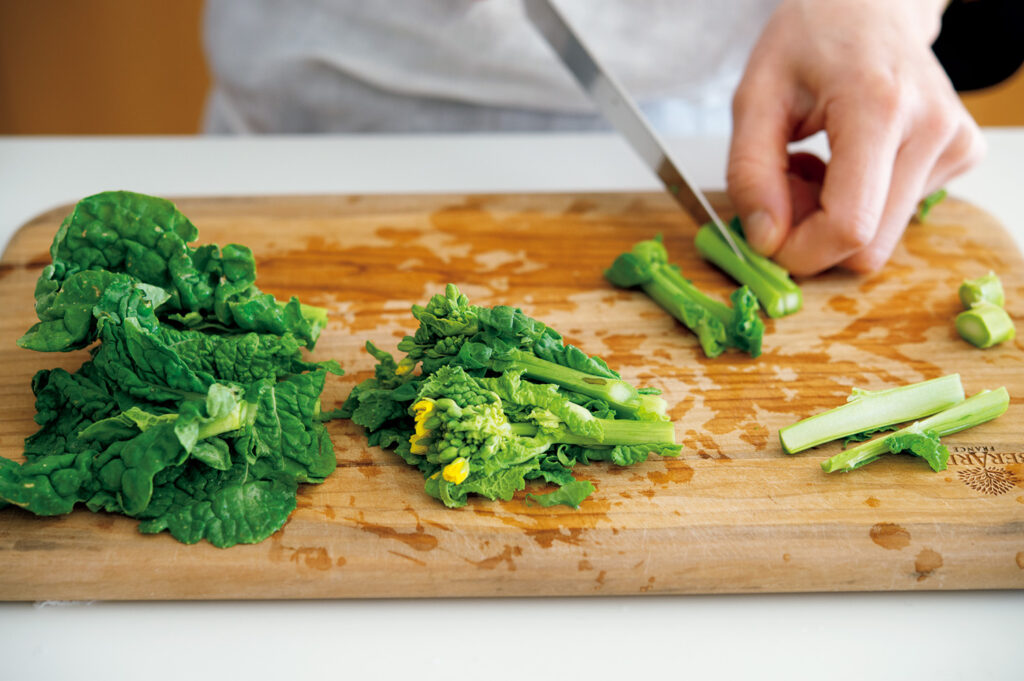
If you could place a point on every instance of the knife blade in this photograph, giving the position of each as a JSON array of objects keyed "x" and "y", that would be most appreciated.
[{"x": 622, "y": 113}]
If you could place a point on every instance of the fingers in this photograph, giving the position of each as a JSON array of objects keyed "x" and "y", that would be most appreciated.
[
  {"x": 910, "y": 175},
  {"x": 964, "y": 151},
  {"x": 758, "y": 161},
  {"x": 865, "y": 139},
  {"x": 942, "y": 145}
]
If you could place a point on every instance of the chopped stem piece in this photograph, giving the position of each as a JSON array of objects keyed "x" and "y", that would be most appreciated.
[
  {"x": 985, "y": 325},
  {"x": 871, "y": 410},
  {"x": 776, "y": 292},
  {"x": 983, "y": 289},
  {"x": 985, "y": 406}
]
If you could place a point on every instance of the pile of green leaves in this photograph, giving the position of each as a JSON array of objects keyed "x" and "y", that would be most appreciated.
[
  {"x": 196, "y": 412},
  {"x": 486, "y": 399}
]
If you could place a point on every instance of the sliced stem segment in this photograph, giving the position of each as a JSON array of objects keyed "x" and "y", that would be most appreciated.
[
  {"x": 985, "y": 325},
  {"x": 776, "y": 292},
  {"x": 985, "y": 406},
  {"x": 871, "y": 410}
]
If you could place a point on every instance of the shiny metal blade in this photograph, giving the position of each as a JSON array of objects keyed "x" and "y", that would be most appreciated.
[{"x": 622, "y": 113}]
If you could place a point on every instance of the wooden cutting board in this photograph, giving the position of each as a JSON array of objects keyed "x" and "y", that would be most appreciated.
[{"x": 733, "y": 514}]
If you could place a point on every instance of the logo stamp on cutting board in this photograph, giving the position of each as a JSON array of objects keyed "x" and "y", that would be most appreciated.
[{"x": 986, "y": 469}]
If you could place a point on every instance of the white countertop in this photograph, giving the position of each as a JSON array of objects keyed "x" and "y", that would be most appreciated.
[{"x": 931, "y": 635}]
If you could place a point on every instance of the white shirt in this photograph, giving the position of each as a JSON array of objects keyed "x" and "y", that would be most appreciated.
[{"x": 459, "y": 65}]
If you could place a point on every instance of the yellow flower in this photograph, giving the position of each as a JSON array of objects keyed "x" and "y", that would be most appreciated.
[
  {"x": 422, "y": 411},
  {"x": 457, "y": 470}
]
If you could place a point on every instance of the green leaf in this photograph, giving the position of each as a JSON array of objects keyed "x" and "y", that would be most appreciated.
[
  {"x": 925, "y": 445},
  {"x": 570, "y": 494}
]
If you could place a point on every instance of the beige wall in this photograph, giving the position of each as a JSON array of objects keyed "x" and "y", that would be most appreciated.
[{"x": 136, "y": 67}]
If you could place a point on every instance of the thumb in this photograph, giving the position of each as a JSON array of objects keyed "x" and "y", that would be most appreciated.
[{"x": 758, "y": 161}]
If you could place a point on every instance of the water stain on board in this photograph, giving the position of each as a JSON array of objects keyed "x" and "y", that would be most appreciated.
[
  {"x": 313, "y": 557},
  {"x": 844, "y": 304},
  {"x": 927, "y": 562},
  {"x": 872, "y": 502},
  {"x": 546, "y": 526},
  {"x": 890, "y": 536},
  {"x": 506, "y": 557},
  {"x": 676, "y": 473},
  {"x": 418, "y": 539}
]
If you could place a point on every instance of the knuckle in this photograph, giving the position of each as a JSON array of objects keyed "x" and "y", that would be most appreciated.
[
  {"x": 884, "y": 93},
  {"x": 939, "y": 124},
  {"x": 743, "y": 172},
  {"x": 975, "y": 146},
  {"x": 856, "y": 231},
  {"x": 867, "y": 262}
]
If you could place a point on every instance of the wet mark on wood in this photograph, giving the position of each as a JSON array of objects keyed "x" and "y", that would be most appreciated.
[
  {"x": 843, "y": 304},
  {"x": 417, "y": 539},
  {"x": 505, "y": 556},
  {"x": 927, "y": 562},
  {"x": 890, "y": 536},
  {"x": 313, "y": 557},
  {"x": 648, "y": 586},
  {"x": 872, "y": 502},
  {"x": 419, "y": 562}
]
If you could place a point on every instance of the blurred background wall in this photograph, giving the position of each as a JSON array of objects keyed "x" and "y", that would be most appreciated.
[{"x": 136, "y": 67}]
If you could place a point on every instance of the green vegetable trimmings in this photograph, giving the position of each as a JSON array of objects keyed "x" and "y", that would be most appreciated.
[
  {"x": 984, "y": 323},
  {"x": 717, "y": 325},
  {"x": 196, "y": 413},
  {"x": 921, "y": 438},
  {"x": 776, "y": 292},
  {"x": 872, "y": 410},
  {"x": 929, "y": 202},
  {"x": 986, "y": 289}
]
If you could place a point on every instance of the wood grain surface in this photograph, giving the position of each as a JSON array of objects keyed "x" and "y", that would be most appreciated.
[{"x": 732, "y": 514}]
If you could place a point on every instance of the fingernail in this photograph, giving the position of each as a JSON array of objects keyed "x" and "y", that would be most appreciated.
[{"x": 760, "y": 231}]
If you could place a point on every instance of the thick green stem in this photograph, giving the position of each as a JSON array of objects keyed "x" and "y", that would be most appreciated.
[
  {"x": 622, "y": 396},
  {"x": 872, "y": 410},
  {"x": 615, "y": 432},
  {"x": 667, "y": 285},
  {"x": 980, "y": 408},
  {"x": 770, "y": 283}
]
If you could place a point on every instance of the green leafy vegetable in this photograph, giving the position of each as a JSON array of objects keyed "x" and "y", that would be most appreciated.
[
  {"x": 195, "y": 413},
  {"x": 921, "y": 438},
  {"x": 769, "y": 282},
  {"x": 929, "y": 202},
  {"x": 499, "y": 401},
  {"x": 717, "y": 325},
  {"x": 985, "y": 325},
  {"x": 503, "y": 338},
  {"x": 871, "y": 410}
]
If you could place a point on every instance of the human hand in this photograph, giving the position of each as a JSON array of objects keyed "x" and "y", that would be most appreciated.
[{"x": 862, "y": 71}]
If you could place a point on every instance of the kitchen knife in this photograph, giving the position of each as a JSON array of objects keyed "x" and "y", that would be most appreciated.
[{"x": 622, "y": 113}]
